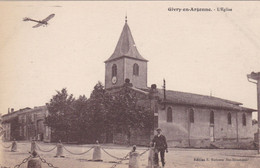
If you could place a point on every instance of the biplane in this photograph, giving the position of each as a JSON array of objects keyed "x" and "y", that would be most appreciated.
[{"x": 43, "y": 22}]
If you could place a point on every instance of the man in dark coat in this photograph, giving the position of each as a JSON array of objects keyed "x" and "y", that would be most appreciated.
[{"x": 160, "y": 144}]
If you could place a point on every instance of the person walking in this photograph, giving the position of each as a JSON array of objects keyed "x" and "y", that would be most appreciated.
[{"x": 160, "y": 145}]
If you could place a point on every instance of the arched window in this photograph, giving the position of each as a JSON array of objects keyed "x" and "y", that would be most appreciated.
[
  {"x": 244, "y": 119},
  {"x": 229, "y": 118},
  {"x": 191, "y": 114},
  {"x": 169, "y": 114},
  {"x": 211, "y": 117},
  {"x": 136, "y": 69},
  {"x": 114, "y": 70}
]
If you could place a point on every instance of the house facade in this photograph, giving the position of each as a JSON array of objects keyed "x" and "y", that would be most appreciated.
[
  {"x": 26, "y": 124},
  {"x": 186, "y": 119}
]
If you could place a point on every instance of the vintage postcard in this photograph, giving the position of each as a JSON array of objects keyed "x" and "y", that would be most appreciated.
[{"x": 138, "y": 84}]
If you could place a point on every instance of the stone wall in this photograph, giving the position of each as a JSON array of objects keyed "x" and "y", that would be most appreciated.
[
  {"x": 180, "y": 132},
  {"x": 139, "y": 81},
  {"x": 120, "y": 75}
]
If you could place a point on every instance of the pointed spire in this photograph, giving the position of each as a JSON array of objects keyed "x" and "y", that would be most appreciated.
[
  {"x": 126, "y": 46},
  {"x": 126, "y": 17}
]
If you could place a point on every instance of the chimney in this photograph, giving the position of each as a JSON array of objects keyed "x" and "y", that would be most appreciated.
[{"x": 8, "y": 110}]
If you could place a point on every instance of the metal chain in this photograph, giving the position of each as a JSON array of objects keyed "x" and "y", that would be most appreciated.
[
  {"x": 45, "y": 150},
  {"x": 77, "y": 153},
  {"x": 24, "y": 161},
  {"x": 124, "y": 158},
  {"x": 144, "y": 152},
  {"x": 112, "y": 155},
  {"x": 44, "y": 161},
  {"x": 6, "y": 146}
]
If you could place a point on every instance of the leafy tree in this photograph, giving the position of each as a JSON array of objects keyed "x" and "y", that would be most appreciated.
[
  {"x": 61, "y": 115},
  {"x": 127, "y": 115},
  {"x": 96, "y": 118},
  {"x": 81, "y": 123},
  {"x": 97, "y": 112}
]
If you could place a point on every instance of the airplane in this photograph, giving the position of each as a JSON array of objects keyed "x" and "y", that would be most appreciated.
[{"x": 43, "y": 22}]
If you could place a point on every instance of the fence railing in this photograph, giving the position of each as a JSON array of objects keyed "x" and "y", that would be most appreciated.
[{"x": 36, "y": 148}]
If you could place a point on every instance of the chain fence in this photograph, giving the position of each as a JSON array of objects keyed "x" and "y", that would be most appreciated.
[
  {"x": 6, "y": 146},
  {"x": 127, "y": 158},
  {"x": 121, "y": 159},
  {"x": 45, "y": 162},
  {"x": 119, "y": 162},
  {"x": 118, "y": 158},
  {"x": 46, "y": 150},
  {"x": 77, "y": 153},
  {"x": 144, "y": 152},
  {"x": 24, "y": 161}
]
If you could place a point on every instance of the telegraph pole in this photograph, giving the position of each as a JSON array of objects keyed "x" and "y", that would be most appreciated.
[{"x": 256, "y": 80}]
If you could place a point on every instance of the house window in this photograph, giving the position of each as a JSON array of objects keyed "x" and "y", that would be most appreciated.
[
  {"x": 136, "y": 69},
  {"x": 114, "y": 70},
  {"x": 211, "y": 117},
  {"x": 191, "y": 115},
  {"x": 24, "y": 131},
  {"x": 169, "y": 114},
  {"x": 20, "y": 131},
  {"x": 229, "y": 118},
  {"x": 244, "y": 119}
]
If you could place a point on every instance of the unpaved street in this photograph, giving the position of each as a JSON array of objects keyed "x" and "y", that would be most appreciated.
[{"x": 175, "y": 158}]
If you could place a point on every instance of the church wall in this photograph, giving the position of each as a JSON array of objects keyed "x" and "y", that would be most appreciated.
[
  {"x": 180, "y": 132},
  {"x": 137, "y": 81},
  {"x": 120, "y": 74},
  {"x": 176, "y": 131}
]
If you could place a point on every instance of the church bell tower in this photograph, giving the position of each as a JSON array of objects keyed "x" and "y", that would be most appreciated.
[{"x": 126, "y": 63}]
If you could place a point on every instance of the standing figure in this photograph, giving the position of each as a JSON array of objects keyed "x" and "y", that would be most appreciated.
[{"x": 160, "y": 145}]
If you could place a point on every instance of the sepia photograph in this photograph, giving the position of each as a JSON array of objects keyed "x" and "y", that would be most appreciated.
[{"x": 129, "y": 84}]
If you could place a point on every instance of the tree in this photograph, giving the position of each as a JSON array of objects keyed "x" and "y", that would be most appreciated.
[
  {"x": 61, "y": 115},
  {"x": 81, "y": 124},
  {"x": 97, "y": 112},
  {"x": 96, "y": 118},
  {"x": 127, "y": 115}
]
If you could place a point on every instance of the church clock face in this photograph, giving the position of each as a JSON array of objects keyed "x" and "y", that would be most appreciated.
[{"x": 114, "y": 80}]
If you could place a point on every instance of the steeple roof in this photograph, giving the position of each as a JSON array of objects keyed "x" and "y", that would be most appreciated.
[{"x": 126, "y": 46}]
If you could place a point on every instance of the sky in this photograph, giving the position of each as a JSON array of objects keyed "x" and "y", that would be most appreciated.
[{"x": 197, "y": 52}]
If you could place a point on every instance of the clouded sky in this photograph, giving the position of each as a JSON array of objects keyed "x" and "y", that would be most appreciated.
[{"x": 197, "y": 52}]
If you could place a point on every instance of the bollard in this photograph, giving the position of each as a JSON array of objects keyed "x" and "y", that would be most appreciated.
[
  {"x": 150, "y": 158},
  {"x": 97, "y": 153},
  {"x": 33, "y": 146},
  {"x": 151, "y": 163},
  {"x": 34, "y": 162},
  {"x": 134, "y": 158},
  {"x": 14, "y": 146},
  {"x": 59, "y": 150}
]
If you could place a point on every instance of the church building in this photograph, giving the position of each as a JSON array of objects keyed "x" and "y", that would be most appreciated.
[{"x": 186, "y": 119}]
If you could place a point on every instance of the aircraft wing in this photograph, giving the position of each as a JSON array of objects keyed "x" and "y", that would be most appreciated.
[
  {"x": 38, "y": 25},
  {"x": 48, "y": 18}
]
